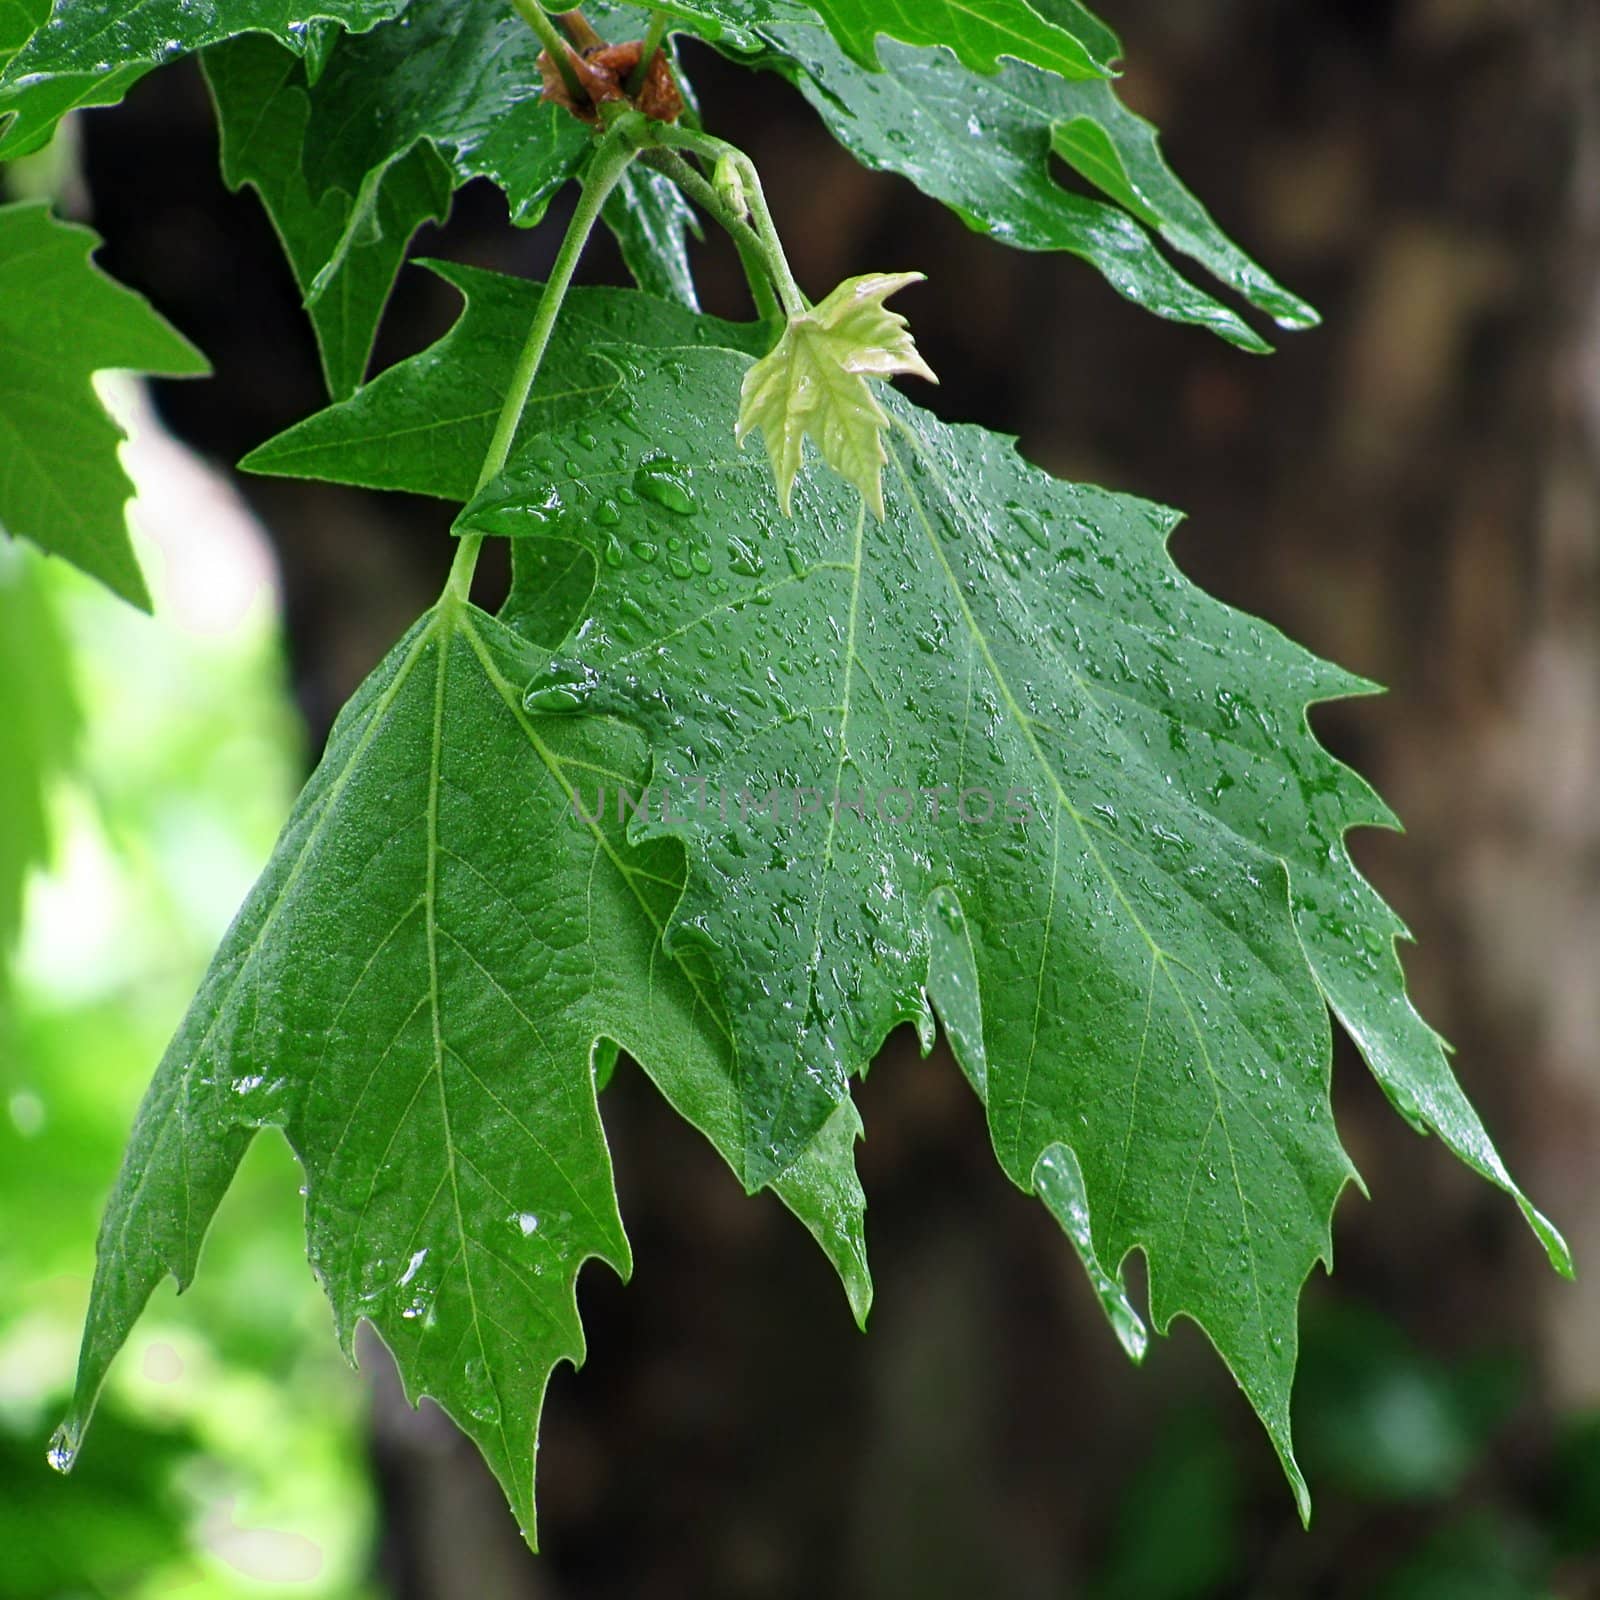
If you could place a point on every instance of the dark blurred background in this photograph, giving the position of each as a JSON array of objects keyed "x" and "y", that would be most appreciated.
[{"x": 1413, "y": 490}]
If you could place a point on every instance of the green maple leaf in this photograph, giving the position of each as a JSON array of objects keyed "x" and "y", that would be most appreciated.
[
  {"x": 424, "y": 425},
  {"x": 61, "y": 321},
  {"x": 814, "y": 385},
  {"x": 58, "y": 55},
  {"x": 1140, "y": 840},
  {"x": 979, "y": 32},
  {"x": 345, "y": 245},
  {"x": 419, "y": 993},
  {"x": 916, "y": 119}
]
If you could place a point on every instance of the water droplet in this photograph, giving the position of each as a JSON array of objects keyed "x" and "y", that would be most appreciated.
[
  {"x": 564, "y": 686},
  {"x": 63, "y": 1451},
  {"x": 663, "y": 481},
  {"x": 606, "y": 514}
]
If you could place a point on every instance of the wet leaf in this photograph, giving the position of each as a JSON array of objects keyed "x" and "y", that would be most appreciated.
[
  {"x": 415, "y": 992},
  {"x": 981, "y": 33},
  {"x": 345, "y": 244},
  {"x": 1005, "y": 691},
  {"x": 61, "y": 321},
  {"x": 814, "y": 384},
  {"x": 984, "y": 147},
  {"x": 57, "y": 55},
  {"x": 653, "y": 223},
  {"x": 425, "y": 424}
]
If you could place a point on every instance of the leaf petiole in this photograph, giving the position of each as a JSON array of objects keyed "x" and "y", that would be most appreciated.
[
  {"x": 752, "y": 252},
  {"x": 710, "y": 148},
  {"x": 555, "y": 46},
  {"x": 611, "y": 160},
  {"x": 653, "y": 40}
]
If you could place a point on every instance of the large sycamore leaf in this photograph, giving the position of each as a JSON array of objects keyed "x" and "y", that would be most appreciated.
[
  {"x": 980, "y": 32},
  {"x": 344, "y": 244},
  {"x": 61, "y": 321},
  {"x": 984, "y": 147},
  {"x": 55, "y": 57},
  {"x": 417, "y": 993},
  {"x": 1108, "y": 775}
]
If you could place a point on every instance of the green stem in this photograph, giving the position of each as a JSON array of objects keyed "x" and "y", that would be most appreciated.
[
  {"x": 605, "y": 171},
  {"x": 752, "y": 253},
  {"x": 711, "y": 148},
  {"x": 653, "y": 41},
  {"x": 555, "y": 46}
]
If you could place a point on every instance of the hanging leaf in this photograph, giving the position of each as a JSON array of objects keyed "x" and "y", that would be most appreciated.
[
  {"x": 983, "y": 146},
  {"x": 1110, "y": 772},
  {"x": 61, "y": 321},
  {"x": 346, "y": 244},
  {"x": 416, "y": 993}
]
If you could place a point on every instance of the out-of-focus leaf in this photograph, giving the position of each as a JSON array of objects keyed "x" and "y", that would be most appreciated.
[
  {"x": 1177, "y": 1527},
  {"x": 37, "y": 735},
  {"x": 61, "y": 321}
]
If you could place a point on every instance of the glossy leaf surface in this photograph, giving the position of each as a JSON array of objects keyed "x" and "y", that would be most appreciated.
[
  {"x": 415, "y": 992},
  {"x": 57, "y": 57},
  {"x": 424, "y": 425},
  {"x": 345, "y": 244},
  {"x": 981, "y": 33},
  {"x": 983, "y": 146},
  {"x": 1110, "y": 771},
  {"x": 61, "y": 321}
]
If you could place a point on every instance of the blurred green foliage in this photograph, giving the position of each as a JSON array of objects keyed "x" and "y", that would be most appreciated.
[
  {"x": 229, "y": 1460},
  {"x": 1435, "y": 1484}
]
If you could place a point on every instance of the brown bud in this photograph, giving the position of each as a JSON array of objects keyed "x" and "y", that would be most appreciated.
[{"x": 604, "y": 74}]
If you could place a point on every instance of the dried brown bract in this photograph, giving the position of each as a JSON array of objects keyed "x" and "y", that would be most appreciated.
[{"x": 604, "y": 74}]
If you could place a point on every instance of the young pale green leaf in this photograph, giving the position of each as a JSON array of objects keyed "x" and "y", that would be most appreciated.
[
  {"x": 61, "y": 321},
  {"x": 346, "y": 244},
  {"x": 424, "y": 425},
  {"x": 38, "y": 735},
  {"x": 416, "y": 993},
  {"x": 1110, "y": 772},
  {"x": 814, "y": 385},
  {"x": 983, "y": 146},
  {"x": 57, "y": 55},
  {"x": 980, "y": 32}
]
